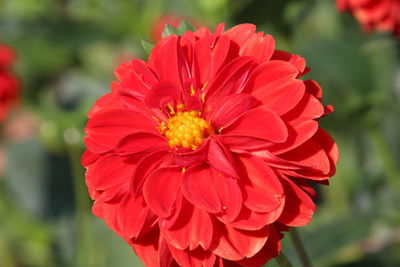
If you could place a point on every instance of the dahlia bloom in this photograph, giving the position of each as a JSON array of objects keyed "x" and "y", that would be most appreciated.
[
  {"x": 381, "y": 15},
  {"x": 203, "y": 155},
  {"x": 9, "y": 85}
]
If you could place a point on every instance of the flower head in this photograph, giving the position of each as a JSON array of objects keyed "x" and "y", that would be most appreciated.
[
  {"x": 203, "y": 155},
  {"x": 381, "y": 15},
  {"x": 9, "y": 85}
]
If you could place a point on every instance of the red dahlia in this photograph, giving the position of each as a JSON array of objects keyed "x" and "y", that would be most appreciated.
[
  {"x": 203, "y": 155},
  {"x": 9, "y": 86},
  {"x": 382, "y": 15}
]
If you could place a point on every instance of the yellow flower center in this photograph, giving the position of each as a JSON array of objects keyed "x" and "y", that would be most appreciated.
[{"x": 186, "y": 129}]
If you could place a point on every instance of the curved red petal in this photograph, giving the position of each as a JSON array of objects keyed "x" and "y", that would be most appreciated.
[
  {"x": 198, "y": 188},
  {"x": 263, "y": 190},
  {"x": 259, "y": 46},
  {"x": 311, "y": 155},
  {"x": 240, "y": 33},
  {"x": 163, "y": 93},
  {"x": 260, "y": 123},
  {"x": 297, "y": 135},
  {"x": 308, "y": 108},
  {"x": 299, "y": 207},
  {"x": 220, "y": 158},
  {"x": 229, "y": 80},
  {"x": 192, "y": 228},
  {"x": 145, "y": 166},
  {"x": 135, "y": 79},
  {"x": 107, "y": 173},
  {"x": 161, "y": 188},
  {"x": 104, "y": 130},
  {"x": 147, "y": 248},
  {"x": 195, "y": 258},
  {"x": 229, "y": 108},
  {"x": 141, "y": 143},
  {"x": 270, "y": 250},
  {"x": 234, "y": 244},
  {"x": 166, "y": 60}
]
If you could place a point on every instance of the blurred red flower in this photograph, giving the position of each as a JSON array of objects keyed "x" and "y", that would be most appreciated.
[
  {"x": 381, "y": 15},
  {"x": 9, "y": 85},
  {"x": 203, "y": 155}
]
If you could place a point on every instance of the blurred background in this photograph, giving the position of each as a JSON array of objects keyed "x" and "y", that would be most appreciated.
[{"x": 67, "y": 52}]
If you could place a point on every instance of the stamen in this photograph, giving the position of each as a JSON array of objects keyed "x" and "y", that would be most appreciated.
[
  {"x": 192, "y": 90},
  {"x": 203, "y": 97},
  {"x": 186, "y": 129},
  {"x": 171, "y": 109}
]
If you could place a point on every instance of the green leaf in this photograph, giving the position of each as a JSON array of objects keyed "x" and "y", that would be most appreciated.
[
  {"x": 169, "y": 30},
  {"x": 147, "y": 46},
  {"x": 185, "y": 26}
]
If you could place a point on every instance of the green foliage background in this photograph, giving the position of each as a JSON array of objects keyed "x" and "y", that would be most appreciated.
[{"x": 68, "y": 50}]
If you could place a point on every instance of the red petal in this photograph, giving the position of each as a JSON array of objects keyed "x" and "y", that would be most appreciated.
[
  {"x": 193, "y": 227},
  {"x": 164, "y": 254},
  {"x": 260, "y": 123},
  {"x": 140, "y": 107},
  {"x": 198, "y": 188},
  {"x": 163, "y": 93},
  {"x": 210, "y": 53},
  {"x": 160, "y": 189},
  {"x": 109, "y": 172},
  {"x": 196, "y": 258},
  {"x": 221, "y": 158},
  {"x": 147, "y": 248},
  {"x": 244, "y": 143},
  {"x": 295, "y": 60},
  {"x": 330, "y": 147},
  {"x": 270, "y": 250},
  {"x": 141, "y": 143},
  {"x": 274, "y": 84},
  {"x": 240, "y": 33},
  {"x": 263, "y": 188},
  {"x": 145, "y": 166},
  {"x": 259, "y": 46},
  {"x": 310, "y": 154},
  {"x": 88, "y": 157},
  {"x": 297, "y": 135},
  {"x": 299, "y": 207},
  {"x": 229, "y": 80},
  {"x": 308, "y": 108},
  {"x": 104, "y": 130},
  {"x": 187, "y": 157},
  {"x": 166, "y": 60},
  {"x": 134, "y": 218},
  {"x": 229, "y": 109},
  {"x": 136, "y": 78},
  {"x": 313, "y": 88},
  {"x": 107, "y": 102},
  {"x": 230, "y": 196},
  {"x": 251, "y": 220},
  {"x": 236, "y": 244}
]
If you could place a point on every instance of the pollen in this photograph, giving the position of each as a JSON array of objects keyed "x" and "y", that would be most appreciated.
[{"x": 186, "y": 129}]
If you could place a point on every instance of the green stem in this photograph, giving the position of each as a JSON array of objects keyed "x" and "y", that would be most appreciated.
[
  {"x": 382, "y": 147},
  {"x": 299, "y": 247},
  {"x": 283, "y": 261},
  {"x": 84, "y": 249}
]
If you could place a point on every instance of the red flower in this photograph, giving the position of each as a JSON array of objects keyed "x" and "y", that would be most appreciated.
[
  {"x": 203, "y": 155},
  {"x": 9, "y": 86},
  {"x": 382, "y": 15}
]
